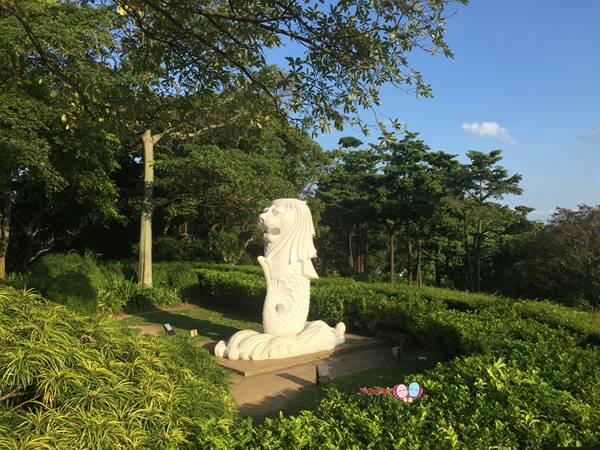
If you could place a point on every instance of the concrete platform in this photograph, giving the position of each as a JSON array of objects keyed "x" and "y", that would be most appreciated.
[
  {"x": 354, "y": 343},
  {"x": 267, "y": 394}
]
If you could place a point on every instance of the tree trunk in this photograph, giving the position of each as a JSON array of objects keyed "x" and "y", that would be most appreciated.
[
  {"x": 183, "y": 231},
  {"x": 167, "y": 226},
  {"x": 409, "y": 272},
  {"x": 360, "y": 250},
  {"x": 478, "y": 255},
  {"x": 5, "y": 229},
  {"x": 392, "y": 251},
  {"x": 469, "y": 279},
  {"x": 145, "y": 252},
  {"x": 419, "y": 258},
  {"x": 438, "y": 269},
  {"x": 243, "y": 249},
  {"x": 30, "y": 236},
  {"x": 350, "y": 251}
]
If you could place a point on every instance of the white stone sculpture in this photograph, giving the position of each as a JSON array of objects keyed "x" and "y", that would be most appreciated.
[{"x": 288, "y": 269}]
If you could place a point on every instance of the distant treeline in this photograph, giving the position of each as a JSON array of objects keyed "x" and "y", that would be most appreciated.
[
  {"x": 434, "y": 221},
  {"x": 104, "y": 127}
]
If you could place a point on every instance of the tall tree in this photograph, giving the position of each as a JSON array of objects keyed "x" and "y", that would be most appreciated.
[
  {"x": 52, "y": 54},
  {"x": 350, "y": 50},
  {"x": 409, "y": 189},
  {"x": 345, "y": 191},
  {"x": 171, "y": 56},
  {"x": 486, "y": 180}
]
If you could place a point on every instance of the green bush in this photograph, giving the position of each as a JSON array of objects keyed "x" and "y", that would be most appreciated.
[
  {"x": 335, "y": 299},
  {"x": 176, "y": 275},
  {"x": 478, "y": 401},
  {"x": 68, "y": 382},
  {"x": 89, "y": 286},
  {"x": 71, "y": 279},
  {"x": 15, "y": 280},
  {"x": 146, "y": 299},
  {"x": 119, "y": 294},
  {"x": 168, "y": 248},
  {"x": 522, "y": 374},
  {"x": 230, "y": 288}
]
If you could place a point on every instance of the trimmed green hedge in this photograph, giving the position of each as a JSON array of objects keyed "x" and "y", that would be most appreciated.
[
  {"x": 68, "y": 382},
  {"x": 367, "y": 307},
  {"x": 521, "y": 374}
]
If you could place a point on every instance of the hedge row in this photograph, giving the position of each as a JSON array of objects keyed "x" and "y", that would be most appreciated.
[
  {"x": 474, "y": 402},
  {"x": 355, "y": 303},
  {"x": 517, "y": 378},
  {"x": 67, "y": 382}
]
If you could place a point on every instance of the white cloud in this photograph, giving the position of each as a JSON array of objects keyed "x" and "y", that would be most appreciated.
[
  {"x": 489, "y": 130},
  {"x": 592, "y": 135}
]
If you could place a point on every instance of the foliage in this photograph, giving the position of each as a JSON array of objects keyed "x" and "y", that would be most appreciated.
[
  {"x": 57, "y": 160},
  {"x": 73, "y": 383},
  {"x": 349, "y": 50},
  {"x": 89, "y": 286},
  {"x": 517, "y": 376},
  {"x": 220, "y": 190},
  {"x": 440, "y": 211},
  {"x": 120, "y": 294},
  {"x": 70, "y": 279},
  {"x": 376, "y": 308},
  {"x": 560, "y": 260},
  {"x": 170, "y": 248}
]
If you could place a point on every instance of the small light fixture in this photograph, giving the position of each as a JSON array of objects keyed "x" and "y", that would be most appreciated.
[{"x": 169, "y": 330}]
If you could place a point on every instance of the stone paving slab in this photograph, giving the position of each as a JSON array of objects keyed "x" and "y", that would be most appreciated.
[
  {"x": 353, "y": 343},
  {"x": 268, "y": 393}
]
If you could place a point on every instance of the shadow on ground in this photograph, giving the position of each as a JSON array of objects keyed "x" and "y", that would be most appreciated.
[
  {"x": 206, "y": 328},
  {"x": 302, "y": 393},
  {"x": 195, "y": 296}
]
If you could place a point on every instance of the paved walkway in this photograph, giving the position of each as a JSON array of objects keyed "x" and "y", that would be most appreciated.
[{"x": 266, "y": 394}]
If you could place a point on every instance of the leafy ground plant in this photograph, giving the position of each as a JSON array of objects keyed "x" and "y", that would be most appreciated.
[{"x": 69, "y": 382}]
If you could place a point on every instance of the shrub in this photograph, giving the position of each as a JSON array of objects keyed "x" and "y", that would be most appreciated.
[
  {"x": 88, "y": 286},
  {"x": 68, "y": 382},
  {"x": 478, "y": 401},
  {"x": 177, "y": 275},
  {"x": 120, "y": 294},
  {"x": 521, "y": 374},
  {"x": 71, "y": 279},
  {"x": 168, "y": 248},
  {"x": 15, "y": 280}
]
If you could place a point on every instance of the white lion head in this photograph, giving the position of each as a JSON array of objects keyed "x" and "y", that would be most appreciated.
[{"x": 288, "y": 235}]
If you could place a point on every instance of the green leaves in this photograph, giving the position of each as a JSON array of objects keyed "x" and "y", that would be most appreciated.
[
  {"x": 225, "y": 188},
  {"x": 511, "y": 379},
  {"x": 107, "y": 391}
]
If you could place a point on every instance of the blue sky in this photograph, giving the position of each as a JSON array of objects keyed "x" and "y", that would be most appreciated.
[{"x": 533, "y": 69}]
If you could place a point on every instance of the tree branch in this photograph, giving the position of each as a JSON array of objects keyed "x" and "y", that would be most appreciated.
[{"x": 43, "y": 55}]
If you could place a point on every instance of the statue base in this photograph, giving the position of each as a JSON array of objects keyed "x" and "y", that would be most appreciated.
[{"x": 252, "y": 345}]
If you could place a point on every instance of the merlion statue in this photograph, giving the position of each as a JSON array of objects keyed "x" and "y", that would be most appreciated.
[{"x": 288, "y": 269}]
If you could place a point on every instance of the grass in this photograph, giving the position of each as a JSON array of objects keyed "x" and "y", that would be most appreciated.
[{"x": 212, "y": 324}]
